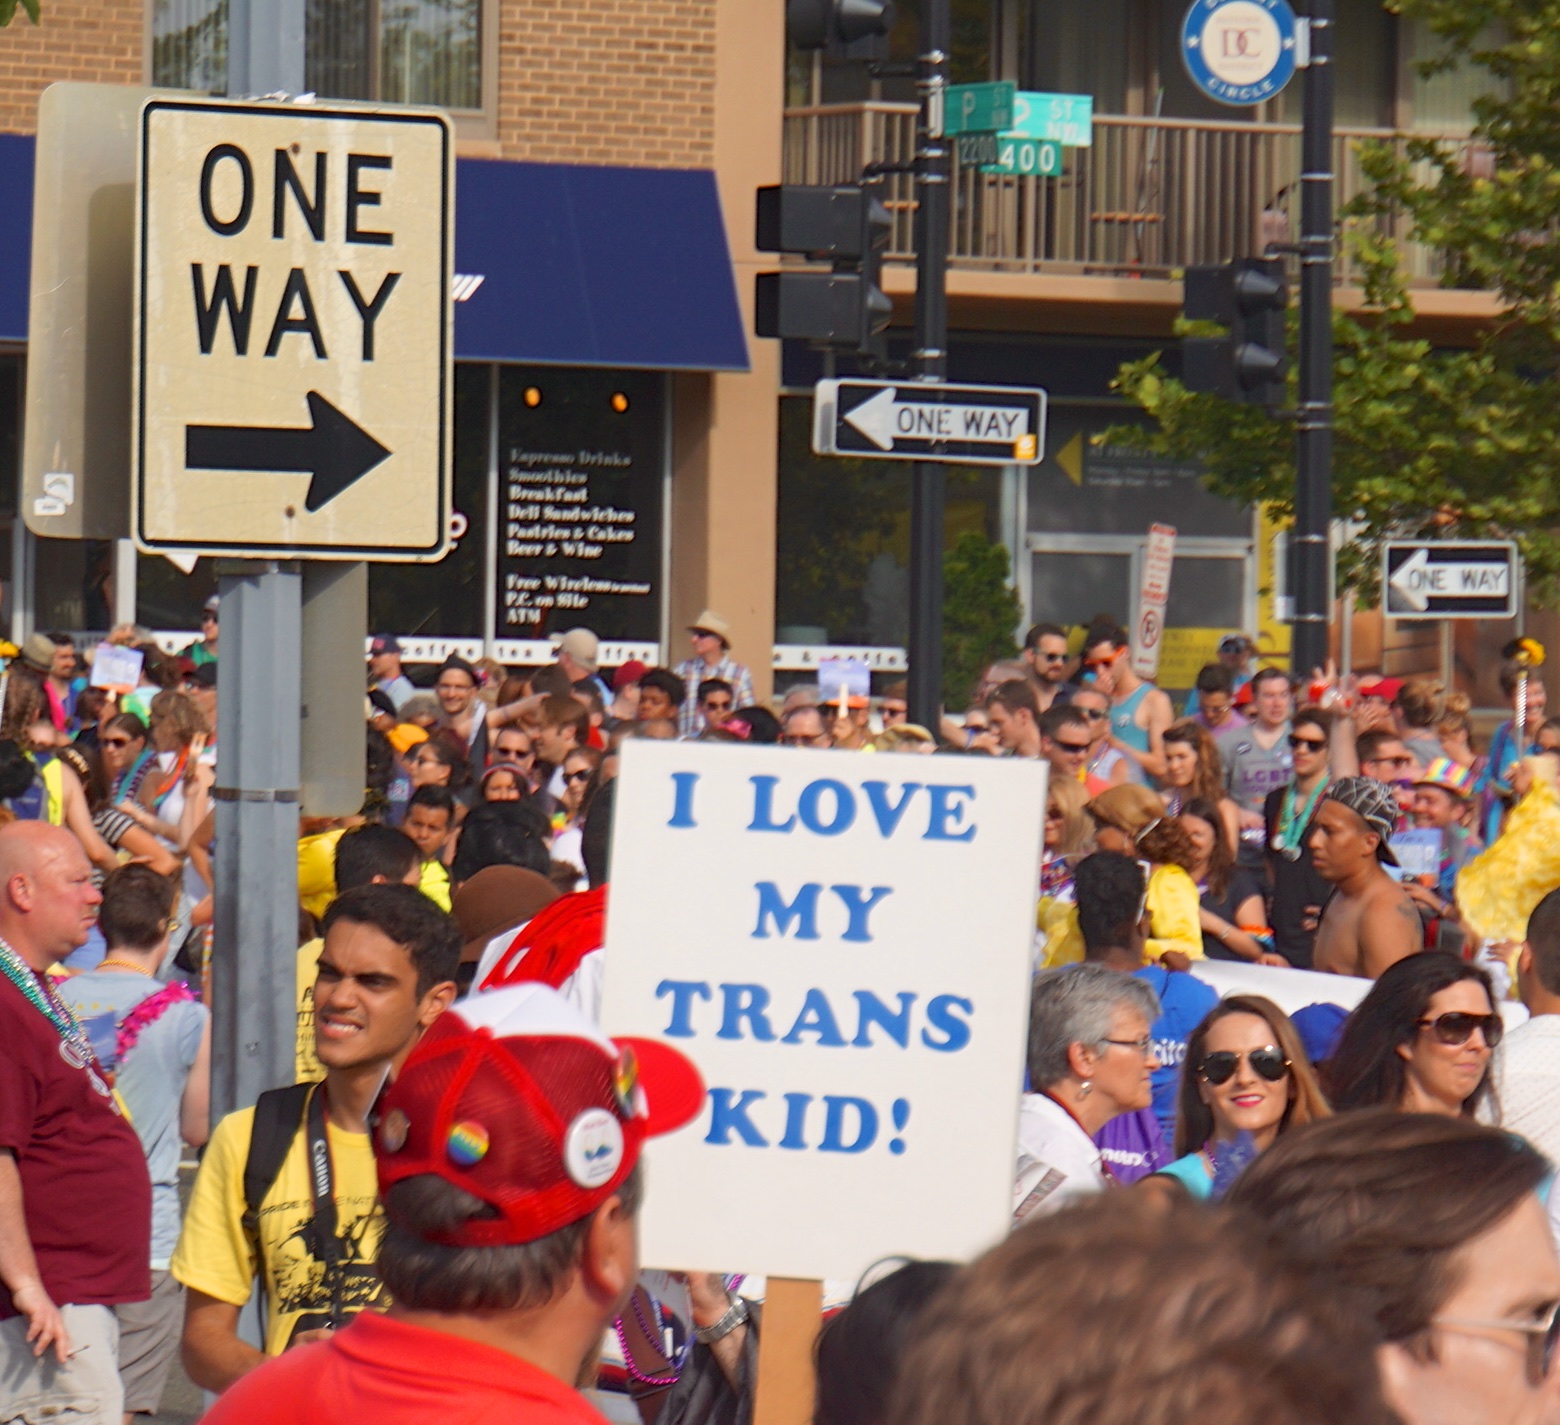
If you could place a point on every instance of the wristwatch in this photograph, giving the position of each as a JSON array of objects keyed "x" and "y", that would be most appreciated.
[{"x": 734, "y": 1316}]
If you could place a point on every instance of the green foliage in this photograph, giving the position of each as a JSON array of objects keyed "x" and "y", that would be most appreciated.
[
  {"x": 1454, "y": 443},
  {"x": 980, "y": 612},
  {"x": 8, "y": 11}
]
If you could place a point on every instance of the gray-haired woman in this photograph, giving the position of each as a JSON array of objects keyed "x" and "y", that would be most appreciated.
[{"x": 1090, "y": 1058}]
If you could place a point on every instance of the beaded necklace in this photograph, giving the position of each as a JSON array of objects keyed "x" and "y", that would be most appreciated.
[
  {"x": 1291, "y": 824},
  {"x": 41, "y": 996}
]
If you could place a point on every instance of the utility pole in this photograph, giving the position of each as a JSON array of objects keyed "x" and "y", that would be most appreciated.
[
  {"x": 1311, "y": 565},
  {"x": 933, "y": 178}
]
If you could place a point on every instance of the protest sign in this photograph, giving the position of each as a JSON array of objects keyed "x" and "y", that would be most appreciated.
[
  {"x": 842, "y": 943},
  {"x": 116, "y": 668}
]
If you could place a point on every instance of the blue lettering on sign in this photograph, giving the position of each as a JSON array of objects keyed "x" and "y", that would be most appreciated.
[
  {"x": 802, "y": 907},
  {"x": 727, "y": 1118},
  {"x": 682, "y": 992},
  {"x": 828, "y": 807}
]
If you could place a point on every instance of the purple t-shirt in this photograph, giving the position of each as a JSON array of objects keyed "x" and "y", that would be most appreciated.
[{"x": 1132, "y": 1146}]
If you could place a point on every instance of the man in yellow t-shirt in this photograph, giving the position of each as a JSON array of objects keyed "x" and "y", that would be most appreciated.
[
  {"x": 369, "y": 855},
  {"x": 386, "y": 972}
]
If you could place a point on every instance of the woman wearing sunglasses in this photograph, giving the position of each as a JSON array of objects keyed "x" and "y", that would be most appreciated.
[
  {"x": 1246, "y": 1072},
  {"x": 1420, "y": 1041},
  {"x": 1433, "y": 1224}
]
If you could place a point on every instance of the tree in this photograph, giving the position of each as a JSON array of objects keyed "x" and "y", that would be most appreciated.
[
  {"x": 8, "y": 11},
  {"x": 1456, "y": 443},
  {"x": 980, "y": 612}
]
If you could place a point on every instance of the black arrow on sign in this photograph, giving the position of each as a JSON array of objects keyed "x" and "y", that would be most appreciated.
[{"x": 335, "y": 450}]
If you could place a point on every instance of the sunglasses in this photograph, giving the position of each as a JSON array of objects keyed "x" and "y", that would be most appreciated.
[
  {"x": 799, "y": 739},
  {"x": 1093, "y": 714},
  {"x": 718, "y": 704},
  {"x": 1456, "y": 1027},
  {"x": 1219, "y": 1067},
  {"x": 1052, "y": 657},
  {"x": 1542, "y": 1335},
  {"x": 114, "y": 741},
  {"x": 1311, "y": 744},
  {"x": 582, "y": 775},
  {"x": 1077, "y": 748},
  {"x": 514, "y": 754}
]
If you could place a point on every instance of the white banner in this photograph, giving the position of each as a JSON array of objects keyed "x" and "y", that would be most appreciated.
[{"x": 842, "y": 943}]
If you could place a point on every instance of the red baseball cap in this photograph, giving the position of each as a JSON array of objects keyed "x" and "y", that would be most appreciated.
[
  {"x": 515, "y": 1097},
  {"x": 1384, "y": 688},
  {"x": 630, "y": 672}
]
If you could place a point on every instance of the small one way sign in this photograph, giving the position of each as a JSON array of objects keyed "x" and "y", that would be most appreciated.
[
  {"x": 925, "y": 420},
  {"x": 292, "y": 330}
]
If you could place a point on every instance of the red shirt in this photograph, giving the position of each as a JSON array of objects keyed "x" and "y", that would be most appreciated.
[
  {"x": 393, "y": 1373},
  {"x": 85, "y": 1190}
]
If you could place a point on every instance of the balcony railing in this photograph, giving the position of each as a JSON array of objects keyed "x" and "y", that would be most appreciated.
[{"x": 1149, "y": 196}]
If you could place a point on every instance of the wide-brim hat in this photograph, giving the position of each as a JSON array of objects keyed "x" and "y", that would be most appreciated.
[
  {"x": 711, "y": 622},
  {"x": 38, "y": 652}
]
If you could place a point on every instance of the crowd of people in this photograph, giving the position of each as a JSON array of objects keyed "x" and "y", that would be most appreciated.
[{"x": 1341, "y": 1210}]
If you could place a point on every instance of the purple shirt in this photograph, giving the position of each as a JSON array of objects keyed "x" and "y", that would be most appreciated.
[{"x": 1132, "y": 1146}]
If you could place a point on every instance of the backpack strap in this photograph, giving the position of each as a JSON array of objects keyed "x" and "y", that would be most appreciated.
[{"x": 278, "y": 1117}]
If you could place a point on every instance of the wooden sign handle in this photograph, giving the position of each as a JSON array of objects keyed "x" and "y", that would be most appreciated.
[{"x": 793, "y": 1313}]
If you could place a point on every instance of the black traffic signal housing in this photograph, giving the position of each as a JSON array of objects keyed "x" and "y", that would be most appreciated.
[
  {"x": 845, "y": 307},
  {"x": 1249, "y": 297},
  {"x": 818, "y": 24}
]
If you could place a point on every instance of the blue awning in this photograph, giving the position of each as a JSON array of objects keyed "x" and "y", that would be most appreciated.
[{"x": 558, "y": 264}]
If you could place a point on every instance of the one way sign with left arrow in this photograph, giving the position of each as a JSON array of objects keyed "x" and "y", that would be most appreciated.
[
  {"x": 921, "y": 420},
  {"x": 292, "y": 356},
  {"x": 1449, "y": 578}
]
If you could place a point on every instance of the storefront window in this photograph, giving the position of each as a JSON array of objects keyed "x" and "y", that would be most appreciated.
[{"x": 844, "y": 538}]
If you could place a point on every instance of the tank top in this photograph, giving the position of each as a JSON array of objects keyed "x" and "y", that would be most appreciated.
[{"x": 1126, "y": 730}]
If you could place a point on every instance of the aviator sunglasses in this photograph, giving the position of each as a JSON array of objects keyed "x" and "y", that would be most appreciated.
[
  {"x": 1269, "y": 1063},
  {"x": 1456, "y": 1028}
]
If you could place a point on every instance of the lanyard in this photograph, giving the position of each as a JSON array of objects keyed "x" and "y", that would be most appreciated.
[
  {"x": 322, "y": 1191},
  {"x": 1288, "y": 822}
]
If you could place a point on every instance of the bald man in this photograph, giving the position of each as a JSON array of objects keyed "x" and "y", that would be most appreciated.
[{"x": 65, "y": 1262}]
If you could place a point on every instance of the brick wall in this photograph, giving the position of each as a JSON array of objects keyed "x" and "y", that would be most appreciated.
[
  {"x": 608, "y": 81},
  {"x": 98, "y": 40}
]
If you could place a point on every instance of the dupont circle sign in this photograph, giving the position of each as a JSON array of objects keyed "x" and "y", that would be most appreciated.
[{"x": 1239, "y": 52}]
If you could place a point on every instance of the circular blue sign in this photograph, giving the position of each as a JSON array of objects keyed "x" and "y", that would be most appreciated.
[{"x": 1239, "y": 51}]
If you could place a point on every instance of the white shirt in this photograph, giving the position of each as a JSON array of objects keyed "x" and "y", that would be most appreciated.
[
  {"x": 1529, "y": 1083},
  {"x": 582, "y": 989},
  {"x": 1057, "y": 1161}
]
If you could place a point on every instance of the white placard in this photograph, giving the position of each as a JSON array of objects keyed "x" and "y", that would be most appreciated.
[
  {"x": 116, "y": 667},
  {"x": 842, "y": 943},
  {"x": 843, "y": 677},
  {"x": 1148, "y": 626}
]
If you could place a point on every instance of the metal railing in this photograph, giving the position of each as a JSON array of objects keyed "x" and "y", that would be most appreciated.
[{"x": 1149, "y": 196}]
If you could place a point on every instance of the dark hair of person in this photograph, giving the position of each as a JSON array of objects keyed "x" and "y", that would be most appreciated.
[
  {"x": 1511, "y": 676},
  {"x": 1208, "y": 781},
  {"x": 136, "y": 905},
  {"x": 1214, "y": 678},
  {"x": 365, "y": 852},
  {"x": 435, "y": 799},
  {"x": 90, "y": 703},
  {"x": 427, "y": 1275},
  {"x": 1043, "y": 630},
  {"x": 127, "y": 723},
  {"x": 859, "y": 1350},
  {"x": 1311, "y": 715},
  {"x": 1105, "y": 630},
  {"x": 590, "y": 690},
  {"x": 378, "y": 771},
  {"x": 452, "y": 754},
  {"x": 596, "y": 835},
  {"x": 87, "y": 764},
  {"x": 1382, "y": 1202},
  {"x": 1060, "y": 715},
  {"x": 501, "y": 834},
  {"x": 1368, "y": 745},
  {"x": 1366, "y": 1070},
  {"x": 1267, "y": 675},
  {"x": 61, "y": 640},
  {"x": 715, "y": 685},
  {"x": 1543, "y": 938},
  {"x": 561, "y": 710},
  {"x": 406, "y": 916},
  {"x": 16, "y": 769},
  {"x": 551, "y": 682},
  {"x": 668, "y": 682},
  {"x": 1110, "y": 890},
  {"x": 1015, "y": 695},
  {"x": 1221, "y": 860},
  {"x": 24, "y": 704},
  {"x": 763, "y": 726},
  {"x": 1120, "y": 1311},
  {"x": 1168, "y": 844},
  {"x": 1307, "y": 1102}
]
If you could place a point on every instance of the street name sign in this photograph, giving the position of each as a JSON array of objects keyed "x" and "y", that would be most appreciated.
[
  {"x": 292, "y": 359},
  {"x": 1436, "y": 579},
  {"x": 923, "y": 420},
  {"x": 1027, "y": 158},
  {"x": 1056, "y": 118},
  {"x": 979, "y": 108}
]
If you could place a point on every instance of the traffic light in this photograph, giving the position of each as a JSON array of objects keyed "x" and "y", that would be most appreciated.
[
  {"x": 816, "y": 24},
  {"x": 846, "y": 307},
  {"x": 1249, "y": 297}
]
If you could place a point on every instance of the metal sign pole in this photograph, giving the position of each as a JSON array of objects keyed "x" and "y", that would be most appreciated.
[
  {"x": 928, "y": 490},
  {"x": 254, "y": 1020}
]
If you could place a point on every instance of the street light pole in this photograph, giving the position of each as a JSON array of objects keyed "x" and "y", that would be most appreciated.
[
  {"x": 1311, "y": 564},
  {"x": 933, "y": 178}
]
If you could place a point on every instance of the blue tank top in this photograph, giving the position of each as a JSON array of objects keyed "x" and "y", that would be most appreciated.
[{"x": 1126, "y": 730}]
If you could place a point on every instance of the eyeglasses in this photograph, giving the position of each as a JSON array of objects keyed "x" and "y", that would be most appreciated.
[
  {"x": 1144, "y": 1046},
  {"x": 1219, "y": 1067},
  {"x": 1052, "y": 657},
  {"x": 582, "y": 774},
  {"x": 1456, "y": 1027},
  {"x": 1076, "y": 748},
  {"x": 1093, "y": 714},
  {"x": 1311, "y": 744},
  {"x": 1542, "y": 1335},
  {"x": 1389, "y": 762},
  {"x": 514, "y": 754}
]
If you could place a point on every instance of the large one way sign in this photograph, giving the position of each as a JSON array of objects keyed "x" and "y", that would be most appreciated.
[
  {"x": 292, "y": 331},
  {"x": 922, "y": 420},
  {"x": 1449, "y": 579}
]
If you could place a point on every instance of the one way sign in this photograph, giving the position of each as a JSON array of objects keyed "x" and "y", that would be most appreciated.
[
  {"x": 292, "y": 331},
  {"x": 1424, "y": 579},
  {"x": 921, "y": 420}
]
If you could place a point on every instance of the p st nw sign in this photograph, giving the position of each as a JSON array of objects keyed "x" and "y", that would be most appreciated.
[{"x": 292, "y": 331}]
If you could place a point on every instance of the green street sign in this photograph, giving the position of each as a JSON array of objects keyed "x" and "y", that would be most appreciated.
[
  {"x": 1067, "y": 119},
  {"x": 979, "y": 108},
  {"x": 1027, "y": 158}
]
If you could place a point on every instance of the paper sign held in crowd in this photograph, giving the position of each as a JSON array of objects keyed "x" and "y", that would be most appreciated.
[{"x": 843, "y": 945}]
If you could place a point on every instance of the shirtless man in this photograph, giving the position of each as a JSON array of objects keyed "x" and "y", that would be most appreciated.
[{"x": 1370, "y": 922}]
